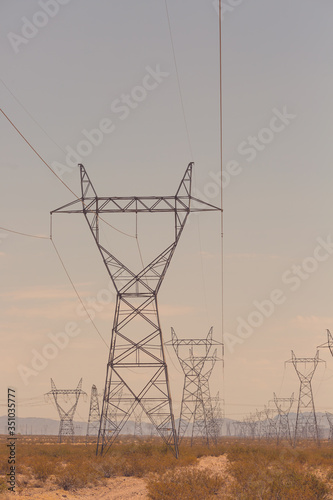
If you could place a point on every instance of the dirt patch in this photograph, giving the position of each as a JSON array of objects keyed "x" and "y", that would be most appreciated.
[{"x": 119, "y": 488}]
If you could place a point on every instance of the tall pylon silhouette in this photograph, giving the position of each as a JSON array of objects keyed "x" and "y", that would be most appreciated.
[
  {"x": 66, "y": 427},
  {"x": 196, "y": 406},
  {"x": 283, "y": 406},
  {"x": 306, "y": 426},
  {"x": 94, "y": 414},
  {"x": 136, "y": 341},
  {"x": 329, "y": 417}
]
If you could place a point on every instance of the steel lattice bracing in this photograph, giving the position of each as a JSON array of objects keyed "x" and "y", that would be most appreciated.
[
  {"x": 329, "y": 417},
  {"x": 94, "y": 414},
  {"x": 196, "y": 406},
  {"x": 329, "y": 343},
  {"x": 218, "y": 416},
  {"x": 270, "y": 423},
  {"x": 306, "y": 421},
  {"x": 283, "y": 406},
  {"x": 136, "y": 341},
  {"x": 66, "y": 428},
  {"x": 138, "y": 423}
]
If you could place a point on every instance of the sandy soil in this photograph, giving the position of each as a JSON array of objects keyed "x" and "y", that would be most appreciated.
[{"x": 120, "y": 488}]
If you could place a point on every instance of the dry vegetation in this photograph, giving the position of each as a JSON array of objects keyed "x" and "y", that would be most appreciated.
[{"x": 250, "y": 470}]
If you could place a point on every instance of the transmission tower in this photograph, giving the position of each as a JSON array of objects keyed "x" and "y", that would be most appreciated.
[
  {"x": 218, "y": 416},
  {"x": 283, "y": 406},
  {"x": 196, "y": 406},
  {"x": 269, "y": 424},
  {"x": 138, "y": 423},
  {"x": 94, "y": 414},
  {"x": 330, "y": 423},
  {"x": 136, "y": 342},
  {"x": 329, "y": 343},
  {"x": 66, "y": 427},
  {"x": 306, "y": 420},
  {"x": 251, "y": 424}
]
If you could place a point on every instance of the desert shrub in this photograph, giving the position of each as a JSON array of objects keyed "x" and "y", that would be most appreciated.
[
  {"x": 253, "y": 480},
  {"x": 184, "y": 484},
  {"x": 42, "y": 468},
  {"x": 77, "y": 475},
  {"x": 3, "y": 466},
  {"x": 107, "y": 466},
  {"x": 3, "y": 485}
]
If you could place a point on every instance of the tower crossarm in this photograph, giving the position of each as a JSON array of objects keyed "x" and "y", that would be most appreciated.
[
  {"x": 329, "y": 343},
  {"x": 136, "y": 204}
]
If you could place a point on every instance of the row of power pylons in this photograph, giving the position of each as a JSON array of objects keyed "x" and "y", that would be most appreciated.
[{"x": 275, "y": 423}]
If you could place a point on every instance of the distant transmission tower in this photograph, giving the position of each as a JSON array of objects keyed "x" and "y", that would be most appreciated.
[
  {"x": 306, "y": 421},
  {"x": 94, "y": 414},
  {"x": 138, "y": 423},
  {"x": 271, "y": 423},
  {"x": 330, "y": 423},
  {"x": 136, "y": 342},
  {"x": 66, "y": 427},
  {"x": 218, "y": 416},
  {"x": 196, "y": 406},
  {"x": 329, "y": 343},
  {"x": 283, "y": 406}
]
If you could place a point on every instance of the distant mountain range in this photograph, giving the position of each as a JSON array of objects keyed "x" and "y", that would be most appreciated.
[{"x": 47, "y": 426}]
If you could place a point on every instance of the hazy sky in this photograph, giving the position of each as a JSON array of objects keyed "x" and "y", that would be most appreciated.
[{"x": 70, "y": 67}]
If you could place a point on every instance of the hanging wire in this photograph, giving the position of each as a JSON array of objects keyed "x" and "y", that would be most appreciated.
[
  {"x": 56, "y": 175},
  {"x": 190, "y": 149},
  {"x": 32, "y": 118},
  {"x": 24, "y": 234},
  {"x": 76, "y": 291},
  {"x": 221, "y": 160},
  {"x": 178, "y": 80}
]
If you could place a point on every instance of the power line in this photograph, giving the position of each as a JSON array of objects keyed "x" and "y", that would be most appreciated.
[
  {"x": 24, "y": 234},
  {"x": 178, "y": 80},
  {"x": 32, "y": 118},
  {"x": 76, "y": 292},
  {"x": 54, "y": 173},
  {"x": 36, "y": 153},
  {"x": 221, "y": 160}
]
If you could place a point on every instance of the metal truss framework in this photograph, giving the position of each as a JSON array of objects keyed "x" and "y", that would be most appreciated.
[
  {"x": 136, "y": 311},
  {"x": 271, "y": 423},
  {"x": 329, "y": 343},
  {"x": 283, "y": 406},
  {"x": 196, "y": 406},
  {"x": 138, "y": 423},
  {"x": 94, "y": 414},
  {"x": 218, "y": 415},
  {"x": 329, "y": 417},
  {"x": 66, "y": 427},
  {"x": 306, "y": 426}
]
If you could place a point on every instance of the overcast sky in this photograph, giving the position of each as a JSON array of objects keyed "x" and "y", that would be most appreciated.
[{"x": 71, "y": 67}]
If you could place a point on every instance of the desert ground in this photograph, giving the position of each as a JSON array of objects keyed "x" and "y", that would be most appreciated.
[{"x": 145, "y": 469}]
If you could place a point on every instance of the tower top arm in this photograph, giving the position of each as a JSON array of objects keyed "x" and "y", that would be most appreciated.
[{"x": 182, "y": 201}]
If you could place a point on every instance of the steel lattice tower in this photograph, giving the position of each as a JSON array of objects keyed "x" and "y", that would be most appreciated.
[
  {"x": 271, "y": 428},
  {"x": 283, "y": 406},
  {"x": 136, "y": 341},
  {"x": 306, "y": 420},
  {"x": 94, "y": 414},
  {"x": 196, "y": 406},
  {"x": 218, "y": 416},
  {"x": 330, "y": 423},
  {"x": 66, "y": 427},
  {"x": 138, "y": 423},
  {"x": 329, "y": 343}
]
